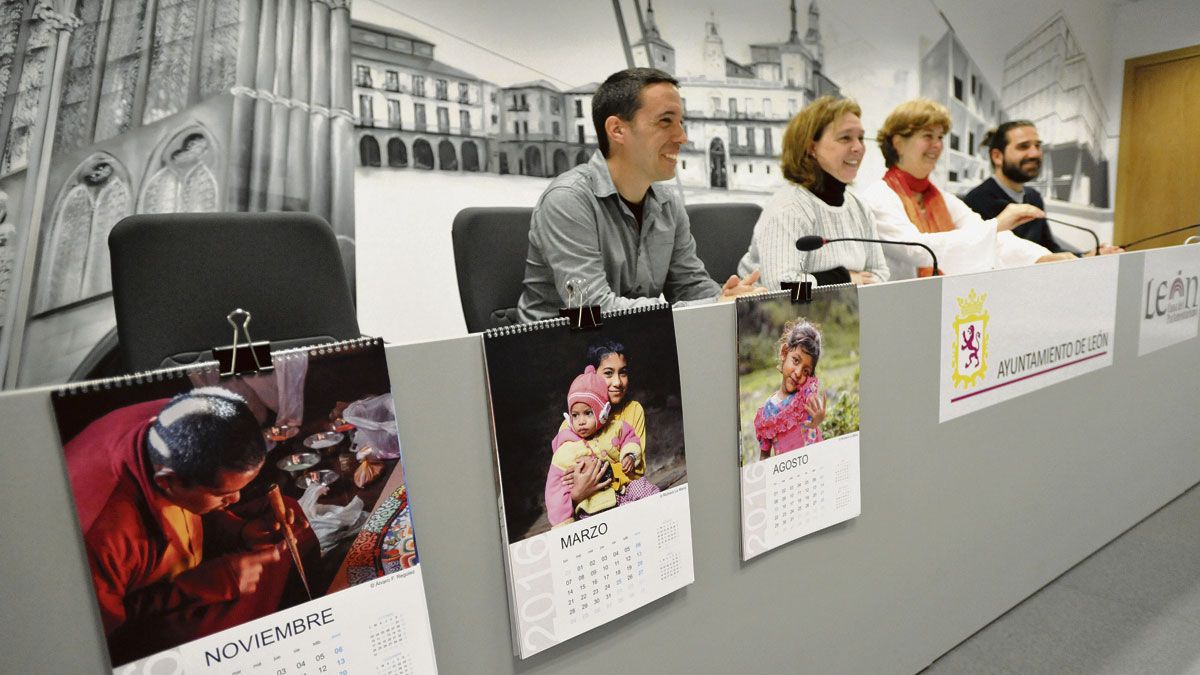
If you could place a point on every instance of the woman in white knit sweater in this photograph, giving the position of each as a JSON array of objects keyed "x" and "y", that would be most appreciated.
[{"x": 822, "y": 149}]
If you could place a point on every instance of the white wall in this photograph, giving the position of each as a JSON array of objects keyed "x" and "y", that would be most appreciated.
[{"x": 1143, "y": 27}]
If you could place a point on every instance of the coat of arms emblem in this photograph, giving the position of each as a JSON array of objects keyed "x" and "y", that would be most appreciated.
[{"x": 970, "y": 344}]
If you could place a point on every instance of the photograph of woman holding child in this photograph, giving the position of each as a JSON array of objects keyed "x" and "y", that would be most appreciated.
[{"x": 574, "y": 432}]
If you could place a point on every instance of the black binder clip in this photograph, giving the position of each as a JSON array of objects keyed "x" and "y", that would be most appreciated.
[
  {"x": 800, "y": 291},
  {"x": 236, "y": 359},
  {"x": 580, "y": 317}
]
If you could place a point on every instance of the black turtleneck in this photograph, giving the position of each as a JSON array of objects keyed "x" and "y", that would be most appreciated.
[
  {"x": 833, "y": 192},
  {"x": 829, "y": 189}
]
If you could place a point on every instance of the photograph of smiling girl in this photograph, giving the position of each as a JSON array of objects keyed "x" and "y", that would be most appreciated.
[
  {"x": 798, "y": 371},
  {"x": 585, "y": 421}
]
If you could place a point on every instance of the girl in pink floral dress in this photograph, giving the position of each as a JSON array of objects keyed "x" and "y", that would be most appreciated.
[{"x": 791, "y": 418}]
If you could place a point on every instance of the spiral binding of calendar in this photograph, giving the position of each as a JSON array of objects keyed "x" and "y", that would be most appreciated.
[
  {"x": 775, "y": 295},
  {"x": 759, "y": 297},
  {"x": 143, "y": 377},
  {"x": 353, "y": 344},
  {"x": 521, "y": 328},
  {"x": 206, "y": 367},
  {"x": 630, "y": 311}
]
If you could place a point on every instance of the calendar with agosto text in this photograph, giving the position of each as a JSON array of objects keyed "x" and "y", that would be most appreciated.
[
  {"x": 588, "y": 433},
  {"x": 798, "y": 415}
]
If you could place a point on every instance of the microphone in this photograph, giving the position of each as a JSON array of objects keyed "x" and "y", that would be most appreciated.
[
  {"x": 812, "y": 242},
  {"x": 1160, "y": 234},
  {"x": 1078, "y": 227}
]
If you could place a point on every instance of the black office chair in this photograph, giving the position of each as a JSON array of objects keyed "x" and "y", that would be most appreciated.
[
  {"x": 490, "y": 246},
  {"x": 177, "y": 276},
  {"x": 722, "y": 233}
]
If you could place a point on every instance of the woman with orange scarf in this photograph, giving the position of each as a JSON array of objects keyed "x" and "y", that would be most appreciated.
[{"x": 909, "y": 207}]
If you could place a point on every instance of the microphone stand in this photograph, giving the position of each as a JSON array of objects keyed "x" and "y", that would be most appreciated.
[
  {"x": 888, "y": 241},
  {"x": 1078, "y": 227},
  {"x": 1160, "y": 234}
]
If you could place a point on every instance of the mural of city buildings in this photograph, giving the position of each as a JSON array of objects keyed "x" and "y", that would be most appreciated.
[
  {"x": 951, "y": 77},
  {"x": 1047, "y": 80},
  {"x": 416, "y": 112},
  {"x": 115, "y": 107}
]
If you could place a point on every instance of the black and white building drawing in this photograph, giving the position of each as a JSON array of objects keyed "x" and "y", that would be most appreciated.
[
  {"x": 115, "y": 107},
  {"x": 414, "y": 110},
  {"x": 1047, "y": 80},
  {"x": 736, "y": 112},
  {"x": 951, "y": 77}
]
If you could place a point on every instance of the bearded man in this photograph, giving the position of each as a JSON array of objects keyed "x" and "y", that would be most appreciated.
[{"x": 1016, "y": 154}]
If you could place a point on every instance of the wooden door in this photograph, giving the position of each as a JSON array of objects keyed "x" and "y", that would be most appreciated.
[{"x": 1158, "y": 166}]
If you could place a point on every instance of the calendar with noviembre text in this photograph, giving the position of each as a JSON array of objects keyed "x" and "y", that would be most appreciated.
[
  {"x": 379, "y": 627},
  {"x": 589, "y": 450},
  {"x": 250, "y": 524},
  {"x": 798, "y": 415}
]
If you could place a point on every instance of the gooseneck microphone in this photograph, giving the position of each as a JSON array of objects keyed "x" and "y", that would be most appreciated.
[
  {"x": 1160, "y": 234},
  {"x": 812, "y": 242},
  {"x": 1078, "y": 227}
]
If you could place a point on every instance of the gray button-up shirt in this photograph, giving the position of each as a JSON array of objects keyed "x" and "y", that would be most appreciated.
[{"x": 581, "y": 230}]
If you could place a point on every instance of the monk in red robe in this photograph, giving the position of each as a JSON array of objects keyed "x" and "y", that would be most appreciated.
[{"x": 152, "y": 482}]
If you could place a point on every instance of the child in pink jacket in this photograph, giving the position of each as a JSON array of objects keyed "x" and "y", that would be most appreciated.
[
  {"x": 586, "y": 436},
  {"x": 791, "y": 418}
]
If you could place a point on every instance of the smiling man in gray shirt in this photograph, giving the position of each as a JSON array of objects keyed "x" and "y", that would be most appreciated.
[{"x": 603, "y": 233}]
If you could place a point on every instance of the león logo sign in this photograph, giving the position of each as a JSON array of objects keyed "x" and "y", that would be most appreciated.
[
  {"x": 1176, "y": 300},
  {"x": 970, "y": 344}
]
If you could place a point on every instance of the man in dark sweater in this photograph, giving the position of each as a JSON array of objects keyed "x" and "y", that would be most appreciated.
[{"x": 1016, "y": 154}]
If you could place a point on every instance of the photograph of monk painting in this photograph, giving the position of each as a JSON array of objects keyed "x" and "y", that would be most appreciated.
[{"x": 190, "y": 508}]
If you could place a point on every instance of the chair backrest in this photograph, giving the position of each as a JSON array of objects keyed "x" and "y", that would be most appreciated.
[
  {"x": 177, "y": 276},
  {"x": 722, "y": 233},
  {"x": 490, "y": 247}
]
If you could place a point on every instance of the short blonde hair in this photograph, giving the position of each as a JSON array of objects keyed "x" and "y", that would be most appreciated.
[
  {"x": 907, "y": 119},
  {"x": 798, "y": 165}
]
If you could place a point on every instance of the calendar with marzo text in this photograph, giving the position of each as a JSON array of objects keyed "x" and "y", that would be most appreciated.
[{"x": 593, "y": 503}]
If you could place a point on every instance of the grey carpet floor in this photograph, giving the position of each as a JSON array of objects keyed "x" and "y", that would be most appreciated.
[{"x": 1131, "y": 607}]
